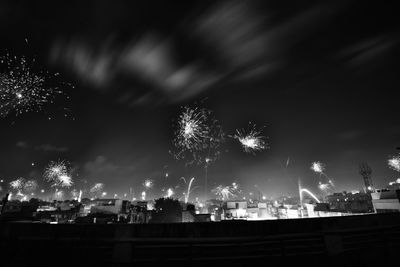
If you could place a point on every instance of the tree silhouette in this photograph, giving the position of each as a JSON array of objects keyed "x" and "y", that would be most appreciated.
[{"x": 167, "y": 210}]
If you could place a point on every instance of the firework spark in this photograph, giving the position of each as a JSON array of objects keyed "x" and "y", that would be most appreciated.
[
  {"x": 17, "y": 184},
  {"x": 170, "y": 192},
  {"x": 394, "y": 163},
  {"x": 65, "y": 181},
  {"x": 57, "y": 174},
  {"x": 192, "y": 128},
  {"x": 54, "y": 170},
  {"x": 197, "y": 136},
  {"x": 97, "y": 188},
  {"x": 224, "y": 192},
  {"x": 22, "y": 90},
  {"x": 148, "y": 183},
  {"x": 318, "y": 167},
  {"x": 251, "y": 140},
  {"x": 305, "y": 190},
  {"x": 326, "y": 187}
]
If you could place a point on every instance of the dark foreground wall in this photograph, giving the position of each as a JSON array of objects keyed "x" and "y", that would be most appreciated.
[{"x": 368, "y": 240}]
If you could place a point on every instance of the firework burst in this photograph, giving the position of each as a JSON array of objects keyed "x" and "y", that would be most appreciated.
[
  {"x": 65, "y": 181},
  {"x": 226, "y": 192},
  {"x": 22, "y": 90},
  {"x": 56, "y": 173},
  {"x": 18, "y": 184},
  {"x": 394, "y": 163},
  {"x": 97, "y": 188},
  {"x": 197, "y": 136},
  {"x": 326, "y": 187},
  {"x": 192, "y": 128},
  {"x": 325, "y": 184},
  {"x": 318, "y": 167},
  {"x": 251, "y": 140},
  {"x": 148, "y": 183},
  {"x": 54, "y": 170}
]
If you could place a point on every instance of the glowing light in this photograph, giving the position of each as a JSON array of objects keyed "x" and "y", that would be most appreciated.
[
  {"x": 22, "y": 90},
  {"x": 170, "y": 192},
  {"x": 96, "y": 189},
  {"x": 235, "y": 185},
  {"x": 59, "y": 194},
  {"x": 318, "y": 167},
  {"x": 17, "y": 184},
  {"x": 74, "y": 194},
  {"x": 144, "y": 195},
  {"x": 64, "y": 181},
  {"x": 394, "y": 163},
  {"x": 323, "y": 187},
  {"x": 148, "y": 183},
  {"x": 104, "y": 194},
  {"x": 251, "y": 140}
]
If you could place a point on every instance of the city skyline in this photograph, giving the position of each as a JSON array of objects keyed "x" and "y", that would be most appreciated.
[{"x": 327, "y": 94}]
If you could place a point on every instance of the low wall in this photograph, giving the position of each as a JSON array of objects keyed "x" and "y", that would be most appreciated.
[{"x": 346, "y": 241}]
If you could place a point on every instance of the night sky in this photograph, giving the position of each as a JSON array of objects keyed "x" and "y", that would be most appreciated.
[{"x": 321, "y": 76}]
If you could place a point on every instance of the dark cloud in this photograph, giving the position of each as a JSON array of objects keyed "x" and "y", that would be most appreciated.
[
  {"x": 229, "y": 42},
  {"x": 100, "y": 165},
  {"x": 43, "y": 147},
  {"x": 350, "y": 135},
  {"x": 21, "y": 144}
]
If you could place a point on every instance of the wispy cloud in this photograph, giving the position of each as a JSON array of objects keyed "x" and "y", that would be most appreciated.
[
  {"x": 21, "y": 144},
  {"x": 51, "y": 148},
  {"x": 230, "y": 41},
  {"x": 43, "y": 147}
]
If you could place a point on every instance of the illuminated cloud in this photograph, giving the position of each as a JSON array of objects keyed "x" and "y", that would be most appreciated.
[{"x": 228, "y": 42}]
